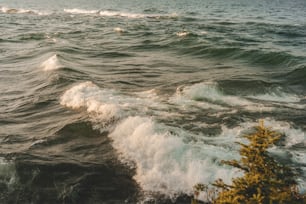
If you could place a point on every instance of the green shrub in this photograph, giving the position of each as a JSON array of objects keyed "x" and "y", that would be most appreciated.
[{"x": 265, "y": 181}]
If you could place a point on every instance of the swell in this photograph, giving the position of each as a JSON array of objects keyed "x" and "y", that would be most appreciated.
[
  {"x": 256, "y": 57},
  {"x": 296, "y": 77}
]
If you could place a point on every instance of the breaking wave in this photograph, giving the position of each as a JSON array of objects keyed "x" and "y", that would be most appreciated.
[
  {"x": 161, "y": 154},
  {"x": 51, "y": 63},
  {"x": 210, "y": 95},
  {"x": 161, "y": 158}
]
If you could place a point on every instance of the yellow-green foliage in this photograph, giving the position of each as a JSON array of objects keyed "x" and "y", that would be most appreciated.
[{"x": 265, "y": 181}]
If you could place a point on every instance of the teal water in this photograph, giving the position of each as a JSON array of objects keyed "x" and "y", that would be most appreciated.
[{"x": 137, "y": 101}]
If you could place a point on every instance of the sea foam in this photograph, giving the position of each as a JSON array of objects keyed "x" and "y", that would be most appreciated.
[
  {"x": 111, "y": 13},
  {"x": 51, "y": 63},
  {"x": 80, "y": 11},
  {"x": 120, "y": 14},
  {"x": 101, "y": 104},
  {"x": 277, "y": 95},
  {"x": 209, "y": 96},
  {"x": 164, "y": 162},
  {"x": 182, "y": 33},
  {"x": 20, "y": 11}
]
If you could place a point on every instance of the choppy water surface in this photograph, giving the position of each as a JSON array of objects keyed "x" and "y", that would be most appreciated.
[{"x": 137, "y": 101}]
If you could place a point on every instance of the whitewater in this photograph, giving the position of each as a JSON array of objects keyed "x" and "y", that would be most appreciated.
[{"x": 136, "y": 102}]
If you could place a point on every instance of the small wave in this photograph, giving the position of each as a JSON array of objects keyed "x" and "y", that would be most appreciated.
[
  {"x": 100, "y": 103},
  {"x": 110, "y": 13},
  {"x": 51, "y": 64},
  {"x": 121, "y": 14},
  {"x": 271, "y": 58},
  {"x": 297, "y": 76},
  {"x": 81, "y": 11},
  {"x": 160, "y": 153},
  {"x": 210, "y": 92},
  {"x": 108, "y": 105},
  {"x": 119, "y": 30},
  {"x": 209, "y": 95},
  {"x": 106, "y": 13},
  {"x": 135, "y": 15},
  {"x": 278, "y": 97},
  {"x": 182, "y": 34},
  {"x": 20, "y": 11}
]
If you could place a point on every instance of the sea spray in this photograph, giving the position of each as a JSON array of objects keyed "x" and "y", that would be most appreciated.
[
  {"x": 161, "y": 153},
  {"x": 164, "y": 162}
]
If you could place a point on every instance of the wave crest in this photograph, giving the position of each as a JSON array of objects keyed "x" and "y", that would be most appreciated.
[
  {"x": 20, "y": 11},
  {"x": 96, "y": 101},
  {"x": 110, "y": 13},
  {"x": 51, "y": 63}
]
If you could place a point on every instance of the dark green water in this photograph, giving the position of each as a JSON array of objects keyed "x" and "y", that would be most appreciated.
[{"x": 137, "y": 101}]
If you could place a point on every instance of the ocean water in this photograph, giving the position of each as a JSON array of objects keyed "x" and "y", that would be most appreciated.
[{"x": 136, "y": 101}]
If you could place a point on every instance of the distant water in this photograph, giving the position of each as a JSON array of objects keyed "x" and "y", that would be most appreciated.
[{"x": 137, "y": 101}]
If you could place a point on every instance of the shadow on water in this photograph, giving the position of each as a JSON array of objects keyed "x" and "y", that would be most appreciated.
[{"x": 50, "y": 173}]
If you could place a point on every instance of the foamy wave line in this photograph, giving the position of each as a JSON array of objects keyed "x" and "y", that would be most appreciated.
[
  {"x": 81, "y": 11},
  {"x": 100, "y": 104},
  {"x": 93, "y": 98},
  {"x": 108, "y": 13},
  {"x": 20, "y": 11},
  {"x": 164, "y": 161},
  {"x": 209, "y": 95},
  {"x": 104, "y": 13}
]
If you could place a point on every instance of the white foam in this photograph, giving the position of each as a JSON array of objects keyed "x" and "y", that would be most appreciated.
[
  {"x": 278, "y": 96},
  {"x": 109, "y": 13},
  {"x": 208, "y": 91},
  {"x": 106, "y": 13},
  {"x": 293, "y": 136},
  {"x": 182, "y": 33},
  {"x": 20, "y": 11},
  {"x": 51, "y": 63},
  {"x": 121, "y": 14},
  {"x": 208, "y": 95},
  {"x": 81, "y": 11},
  {"x": 164, "y": 163},
  {"x": 165, "y": 159},
  {"x": 101, "y": 104},
  {"x": 119, "y": 30}
]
